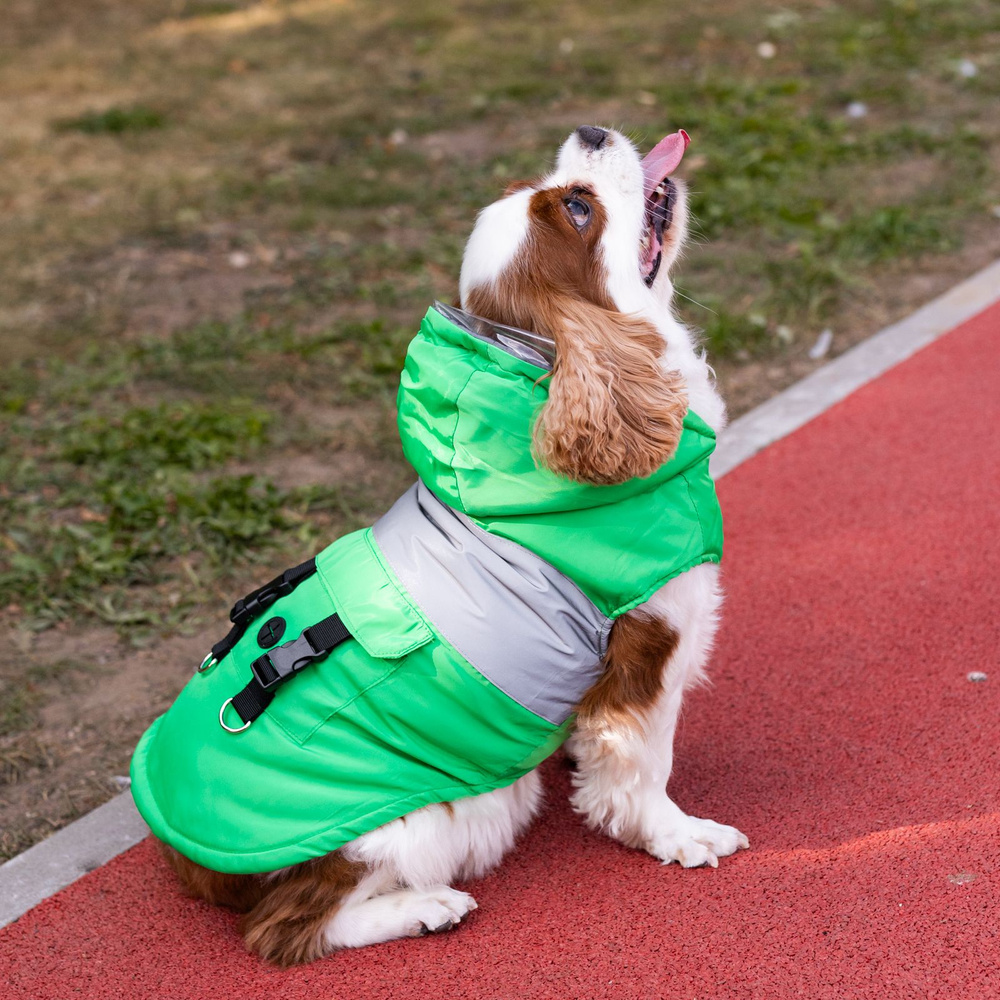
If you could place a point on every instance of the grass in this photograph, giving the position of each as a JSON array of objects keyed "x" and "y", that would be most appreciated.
[
  {"x": 222, "y": 222},
  {"x": 340, "y": 180},
  {"x": 113, "y": 121},
  {"x": 229, "y": 138},
  {"x": 102, "y": 495}
]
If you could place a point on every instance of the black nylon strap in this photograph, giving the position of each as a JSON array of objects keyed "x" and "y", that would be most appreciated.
[
  {"x": 277, "y": 665},
  {"x": 327, "y": 634},
  {"x": 252, "y": 701},
  {"x": 247, "y": 608},
  {"x": 223, "y": 646}
]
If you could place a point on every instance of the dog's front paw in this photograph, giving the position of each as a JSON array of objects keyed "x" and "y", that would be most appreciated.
[
  {"x": 437, "y": 910},
  {"x": 693, "y": 842}
]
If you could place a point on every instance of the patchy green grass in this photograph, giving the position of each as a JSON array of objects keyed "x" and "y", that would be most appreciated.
[
  {"x": 337, "y": 155},
  {"x": 105, "y": 499},
  {"x": 113, "y": 121},
  {"x": 102, "y": 497},
  {"x": 147, "y": 440}
]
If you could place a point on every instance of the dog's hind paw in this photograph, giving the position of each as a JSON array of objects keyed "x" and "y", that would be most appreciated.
[
  {"x": 402, "y": 913},
  {"x": 437, "y": 910},
  {"x": 694, "y": 842}
]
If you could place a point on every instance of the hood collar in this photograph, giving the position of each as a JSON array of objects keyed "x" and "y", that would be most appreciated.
[{"x": 522, "y": 344}]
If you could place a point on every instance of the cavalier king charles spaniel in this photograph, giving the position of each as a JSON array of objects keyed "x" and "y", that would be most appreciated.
[{"x": 581, "y": 256}]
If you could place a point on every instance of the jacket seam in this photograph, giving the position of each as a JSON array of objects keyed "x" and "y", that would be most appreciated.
[
  {"x": 697, "y": 510},
  {"x": 391, "y": 576},
  {"x": 437, "y": 795},
  {"x": 705, "y": 557},
  {"x": 372, "y": 545},
  {"x": 350, "y": 701},
  {"x": 454, "y": 439},
  {"x": 604, "y": 626}
]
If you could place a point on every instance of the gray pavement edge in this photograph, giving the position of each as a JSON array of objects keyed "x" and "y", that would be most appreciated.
[
  {"x": 86, "y": 844},
  {"x": 94, "y": 839}
]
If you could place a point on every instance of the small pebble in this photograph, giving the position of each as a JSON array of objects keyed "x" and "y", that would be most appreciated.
[
  {"x": 239, "y": 259},
  {"x": 566, "y": 46},
  {"x": 976, "y": 676},
  {"x": 857, "y": 109},
  {"x": 996, "y": 210},
  {"x": 967, "y": 69},
  {"x": 767, "y": 50},
  {"x": 822, "y": 345},
  {"x": 962, "y": 877},
  {"x": 398, "y": 137}
]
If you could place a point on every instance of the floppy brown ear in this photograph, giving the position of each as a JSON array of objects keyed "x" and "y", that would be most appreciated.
[{"x": 613, "y": 413}]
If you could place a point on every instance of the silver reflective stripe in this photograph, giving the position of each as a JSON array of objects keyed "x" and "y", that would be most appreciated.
[
  {"x": 523, "y": 344},
  {"x": 521, "y": 623}
]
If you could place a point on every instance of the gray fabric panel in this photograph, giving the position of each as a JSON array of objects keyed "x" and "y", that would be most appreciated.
[{"x": 521, "y": 623}]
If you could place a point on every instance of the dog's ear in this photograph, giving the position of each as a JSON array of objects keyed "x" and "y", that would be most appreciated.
[{"x": 613, "y": 412}]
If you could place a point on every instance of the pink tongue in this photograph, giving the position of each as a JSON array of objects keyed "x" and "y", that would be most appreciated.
[{"x": 663, "y": 159}]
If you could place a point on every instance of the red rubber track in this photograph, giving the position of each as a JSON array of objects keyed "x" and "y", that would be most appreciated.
[{"x": 841, "y": 734}]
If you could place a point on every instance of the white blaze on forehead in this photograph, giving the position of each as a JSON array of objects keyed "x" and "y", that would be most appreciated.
[
  {"x": 615, "y": 164},
  {"x": 614, "y": 173},
  {"x": 619, "y": 179},
  {"x": 501, "y": 230}
]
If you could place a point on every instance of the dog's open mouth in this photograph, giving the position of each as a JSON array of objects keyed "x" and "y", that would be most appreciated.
[{"x": 661, "y": 161}]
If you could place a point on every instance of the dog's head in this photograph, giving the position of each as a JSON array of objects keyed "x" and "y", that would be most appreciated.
[{"x": 576, "y": 256}]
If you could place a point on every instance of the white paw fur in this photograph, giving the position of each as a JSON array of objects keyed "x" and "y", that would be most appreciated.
[
  {"x": 693, "y": 842},
  {"x": 391, "y": 915},
  {"x": 437, "y": 910}
]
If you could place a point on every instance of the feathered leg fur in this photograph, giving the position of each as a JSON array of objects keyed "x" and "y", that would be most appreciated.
[{"x": 623, "y": 745}]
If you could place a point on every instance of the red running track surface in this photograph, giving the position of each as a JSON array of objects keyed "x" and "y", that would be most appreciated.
[{"x": 841, "y": 734}]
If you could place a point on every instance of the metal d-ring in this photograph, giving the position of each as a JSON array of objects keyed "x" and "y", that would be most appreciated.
[
  {"x": 207, "y": 664},
  {"x": 229, "y": 729}
]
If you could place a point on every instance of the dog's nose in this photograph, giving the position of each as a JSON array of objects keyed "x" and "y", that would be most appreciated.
[{"x": 592, "y": 136}]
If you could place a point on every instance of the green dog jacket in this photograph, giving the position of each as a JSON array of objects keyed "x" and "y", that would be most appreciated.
[{"x": 475, "y": 615}]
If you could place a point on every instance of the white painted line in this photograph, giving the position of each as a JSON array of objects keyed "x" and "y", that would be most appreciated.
[
  {"x": 101, "y": 835},
  {"x": 808, "y": 398},
  {"x": 86, "y": 844}
]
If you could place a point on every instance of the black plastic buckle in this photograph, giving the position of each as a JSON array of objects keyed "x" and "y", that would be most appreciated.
[
  {"x": 279, "y": 663},
  {"x": 246, "y": 609}
]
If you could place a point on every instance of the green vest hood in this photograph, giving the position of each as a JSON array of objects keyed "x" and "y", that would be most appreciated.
[{"x": 467, "y": 409}]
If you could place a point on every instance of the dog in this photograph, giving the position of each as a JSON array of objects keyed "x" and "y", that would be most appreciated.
[{"x": 579, "y": 259}]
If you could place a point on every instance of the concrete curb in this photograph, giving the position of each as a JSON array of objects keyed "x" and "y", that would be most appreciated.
[
  {"x": 101, "y": 835},
  {"x": 86, "y": 844}
]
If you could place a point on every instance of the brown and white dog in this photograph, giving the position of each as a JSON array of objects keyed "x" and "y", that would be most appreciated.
[{"x": 581, "y": 256}]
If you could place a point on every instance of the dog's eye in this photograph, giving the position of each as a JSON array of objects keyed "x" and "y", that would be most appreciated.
[{"x": 579, "y": 211}]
